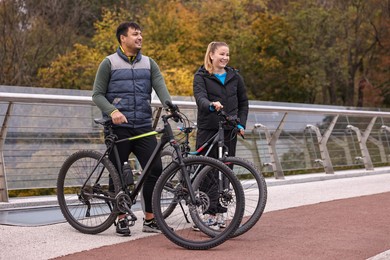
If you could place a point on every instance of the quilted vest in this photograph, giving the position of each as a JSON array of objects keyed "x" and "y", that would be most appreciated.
[{"x": 130, "y": 88}]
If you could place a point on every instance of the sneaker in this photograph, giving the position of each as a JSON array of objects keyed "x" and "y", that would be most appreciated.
[
  {"x": 221, "y": 220},
  {"x": 122, "y": 228},
  {"x": 150, "y": 226},
  {"x": 195, "y": 228},
  {"x": 210, "y": 221}
]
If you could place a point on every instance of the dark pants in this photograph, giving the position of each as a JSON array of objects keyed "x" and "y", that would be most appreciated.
[
  {"x": 142, "y": 149},
  {"x": 211, "y": 184},
  {"x": 230, "y": 141}
]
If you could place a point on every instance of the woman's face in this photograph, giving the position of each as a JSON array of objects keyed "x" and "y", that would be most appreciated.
[{"x": 220, "y": 57}]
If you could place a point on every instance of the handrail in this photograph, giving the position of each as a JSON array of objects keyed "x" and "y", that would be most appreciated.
[
  {"x": 319, "y": 110},
  {"x": 86, "y": 100},
  {"x": 40, "y": 98}
]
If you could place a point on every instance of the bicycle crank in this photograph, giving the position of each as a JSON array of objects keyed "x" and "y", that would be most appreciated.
[{"x": 124, "y": 204}]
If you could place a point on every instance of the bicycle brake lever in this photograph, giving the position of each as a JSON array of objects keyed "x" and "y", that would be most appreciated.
[{"x": 238, "y": 131}]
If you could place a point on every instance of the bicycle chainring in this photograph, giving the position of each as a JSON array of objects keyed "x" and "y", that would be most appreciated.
[{"x": 123, "y": 202}]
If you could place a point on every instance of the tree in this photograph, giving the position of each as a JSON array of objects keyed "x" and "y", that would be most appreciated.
[
  {"x": 172, "y": 38},
  {"x": 336, "y": 40},
  {"x": 324, "y": 52},
  {"x": 77, "y": 68},
  {"x": 363, "y": 32},
  {"x": 34, "y": 32}
]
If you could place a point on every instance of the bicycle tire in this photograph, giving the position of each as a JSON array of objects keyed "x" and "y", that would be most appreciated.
[
  {"x": 255, "y": 192},
  {"x": 166, "y": 158},
  {"x": 177, "y": 227},
  {"x": 82, "y": 210}
]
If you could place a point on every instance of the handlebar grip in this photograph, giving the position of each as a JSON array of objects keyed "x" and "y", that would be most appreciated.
[
  {"x": 174, "y": 109},
  {"x": 168, "y": 103},
  {"x": 171, "y": 106}
]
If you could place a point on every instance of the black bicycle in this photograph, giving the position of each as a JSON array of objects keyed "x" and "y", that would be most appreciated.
[
  {"x": 253, "y": 182},
  {"x": 91, "y": 192}
]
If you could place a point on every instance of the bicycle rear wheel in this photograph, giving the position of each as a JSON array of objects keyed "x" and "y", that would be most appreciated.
[
  {"x": 255, "y": 191},
  {"x": 167, "y": 156},
  {"x": 253, "y": 183},
  {"x": 178, "y": 225},
  {"x": 86, "y": 190}
]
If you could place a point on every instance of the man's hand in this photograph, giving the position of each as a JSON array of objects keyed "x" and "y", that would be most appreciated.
[{"x": 118, "y": 118}]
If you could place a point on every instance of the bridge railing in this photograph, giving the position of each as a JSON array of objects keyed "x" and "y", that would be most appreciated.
[{"x": 38, "y": 131}]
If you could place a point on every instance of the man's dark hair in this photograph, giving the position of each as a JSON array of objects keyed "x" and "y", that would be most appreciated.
[{"x": 124, "y": 27}]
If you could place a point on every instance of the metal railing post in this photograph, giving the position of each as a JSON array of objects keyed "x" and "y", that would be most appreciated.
[
  {"x": 363, "y": 142},
  {"x": 380, "y": 146},
  {"x": 271, "y": 143},
  {"x": 322, "y": 142}
]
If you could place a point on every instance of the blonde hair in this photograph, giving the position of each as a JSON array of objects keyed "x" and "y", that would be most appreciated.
[{"x": 213, "y": 46}]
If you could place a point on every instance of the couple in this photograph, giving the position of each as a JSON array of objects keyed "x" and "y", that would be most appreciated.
[{"x": 122, "y": 90}]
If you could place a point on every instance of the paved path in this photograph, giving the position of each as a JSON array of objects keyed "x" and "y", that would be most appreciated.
[{"x": 337, "y": 218}]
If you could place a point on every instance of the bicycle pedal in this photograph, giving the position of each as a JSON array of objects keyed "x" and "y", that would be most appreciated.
[{"x": 131, "y": 218}]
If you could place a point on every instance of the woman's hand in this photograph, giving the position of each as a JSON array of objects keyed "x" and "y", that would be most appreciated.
[{"x": 217, "y": 105}]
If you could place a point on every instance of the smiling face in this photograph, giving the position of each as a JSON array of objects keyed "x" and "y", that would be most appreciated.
[
  {"x": 132, "y": 42},
  {"x": 220, "y": 58}
]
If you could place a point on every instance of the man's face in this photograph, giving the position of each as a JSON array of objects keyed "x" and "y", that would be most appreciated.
[{"x": 133, "y": 40}]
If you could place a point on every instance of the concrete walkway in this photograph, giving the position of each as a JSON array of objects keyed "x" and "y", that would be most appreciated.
[{"x": 316, "y": 216}]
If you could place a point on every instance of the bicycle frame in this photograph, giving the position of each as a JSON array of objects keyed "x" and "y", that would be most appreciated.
[
  {"x": 218, "y": 138},
  {"x": 167, "y": 137}
]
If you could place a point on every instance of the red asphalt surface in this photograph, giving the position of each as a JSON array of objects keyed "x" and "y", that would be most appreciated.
[{"x": 354, "y": 228}]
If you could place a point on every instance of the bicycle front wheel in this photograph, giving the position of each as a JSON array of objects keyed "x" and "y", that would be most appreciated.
[
  {"x": 178, "y": 225},
  {"x": 86, "y": 190}
]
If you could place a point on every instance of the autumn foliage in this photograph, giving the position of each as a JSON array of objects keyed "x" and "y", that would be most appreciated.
[{"x": 323, "y": 52}]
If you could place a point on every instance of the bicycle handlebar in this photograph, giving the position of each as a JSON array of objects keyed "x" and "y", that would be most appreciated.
[
  {"x": 231, "y": 120},
  {"x": 171, "y": 106},
  {"x": 174, "y": 112}
]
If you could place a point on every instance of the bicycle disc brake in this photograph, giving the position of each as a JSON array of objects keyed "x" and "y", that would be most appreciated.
[
  {"x": 202, "y": 201},
  {"x": 226, "y": 198}
]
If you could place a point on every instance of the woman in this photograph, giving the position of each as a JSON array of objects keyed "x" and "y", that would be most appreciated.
[{"x": 217, "y": 86}]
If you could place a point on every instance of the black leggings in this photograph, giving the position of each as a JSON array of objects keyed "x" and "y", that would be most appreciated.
[{"x": 142, "y": 149}]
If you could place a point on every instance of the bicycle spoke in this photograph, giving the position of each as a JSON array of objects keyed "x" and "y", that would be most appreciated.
[
  {"x": 178, "y": 225},
  {"x": 83, "y": 195}
]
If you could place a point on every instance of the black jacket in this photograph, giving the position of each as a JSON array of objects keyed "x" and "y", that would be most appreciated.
[{"x": 232, "y": 95}]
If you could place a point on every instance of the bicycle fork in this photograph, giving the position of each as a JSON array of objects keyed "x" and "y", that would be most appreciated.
[{"x": 187, "y": 182}]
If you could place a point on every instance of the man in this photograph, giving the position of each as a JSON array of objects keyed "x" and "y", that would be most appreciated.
[{"x": 122, "y": 90}]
